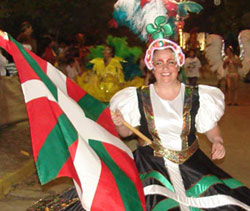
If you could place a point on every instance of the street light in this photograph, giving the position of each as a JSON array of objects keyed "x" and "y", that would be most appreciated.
[{"x": 217, "y": 2}]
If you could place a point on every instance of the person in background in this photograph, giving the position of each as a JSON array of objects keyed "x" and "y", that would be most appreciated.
[
  {"x": 173, "y": 167},
  {"x": 104, "y": 76},
  {"x": 24, "y": 40},
  {"x": 48, "y": 53},
  {"x": 26, "y": 34},
  {"x": 3, "y": 62},
  {"x": 109, "y": 65},
  {"x": 82, "y": 49},
  {"x": 72, "y": 68},
  {"x": 192, "y": 68}
]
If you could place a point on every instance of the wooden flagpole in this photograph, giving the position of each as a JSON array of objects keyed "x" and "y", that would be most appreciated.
[{"x": 137, "y": 132}]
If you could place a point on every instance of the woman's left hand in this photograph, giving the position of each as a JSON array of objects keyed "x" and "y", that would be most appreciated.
[{"x": 218, "y": 151}]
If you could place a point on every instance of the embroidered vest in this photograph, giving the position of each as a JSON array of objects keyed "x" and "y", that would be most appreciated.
[{"x": 188, "y": 135}]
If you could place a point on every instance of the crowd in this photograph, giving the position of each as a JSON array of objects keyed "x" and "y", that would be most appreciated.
[
  {"x": 71, "y": 57},
  {"x": 67, "y": 55}
]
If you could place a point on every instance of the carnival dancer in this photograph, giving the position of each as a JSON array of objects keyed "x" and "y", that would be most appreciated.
[
  {"x": 110, "y": 69},
  {"x": 219, "y": 61},
  {"x": 192, "y": 68},
  {"x": 105, "y": 76},
  {"x": 175, "y": 173}
]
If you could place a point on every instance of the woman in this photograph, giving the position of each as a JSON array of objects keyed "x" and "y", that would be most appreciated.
[
  {"x": 192, "y": 67},
  {"x": 105, "y": 76},
  {"x": 232, "y": 64},
  {"x": 48, "y": 52},
  {"x": 25, "y": 37},
  {"x": 175, "y": 173},
  {"x": 109, "y": 65}
]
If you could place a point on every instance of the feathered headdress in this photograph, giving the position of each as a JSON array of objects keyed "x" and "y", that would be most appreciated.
[
  {"x": 152, "y": 19},
  {"x": 215, "y": 53},
  {"x": 155, "y": 20},
  {"x": 244, "y": 43}
]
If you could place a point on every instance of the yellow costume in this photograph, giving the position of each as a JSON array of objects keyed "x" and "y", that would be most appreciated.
[
  {"x": 102, "y": 82},
  {"x": 114, "y": 68}
]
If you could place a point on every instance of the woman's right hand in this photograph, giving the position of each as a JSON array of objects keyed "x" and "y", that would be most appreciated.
[
  {"x": 117, "y": 118},
  {"x": 1, "y": 33}
]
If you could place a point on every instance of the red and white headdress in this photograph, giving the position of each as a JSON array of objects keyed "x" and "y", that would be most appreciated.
[
  {"x": 161, "y": 44},
  {"x": 156, "y": 20}
]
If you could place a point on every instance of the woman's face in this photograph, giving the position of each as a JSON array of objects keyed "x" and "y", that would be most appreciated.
[
  {"x": 165, "y": 66},
  {"x": 229, "y": 51},
  {"x": 107, "y": 52},
  {"x": 29, "y": 30}
]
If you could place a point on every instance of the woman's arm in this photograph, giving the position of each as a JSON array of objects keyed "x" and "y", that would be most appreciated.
[
  {"x": 237, "y": 61},
  {"x": 225, "y": 63},
  {"x": 214, "y": 136}
]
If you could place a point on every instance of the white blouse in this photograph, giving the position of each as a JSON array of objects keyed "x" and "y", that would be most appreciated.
[{"x": 168, "y": 114}]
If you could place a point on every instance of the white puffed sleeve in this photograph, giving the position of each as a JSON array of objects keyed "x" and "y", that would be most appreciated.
[
  {"x": 211, "y": 108},
  {"x": 127, "y": 102}
]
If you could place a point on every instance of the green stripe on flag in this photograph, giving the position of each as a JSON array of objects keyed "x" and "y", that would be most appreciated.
[
  {"x": 54, "y": 151},
  {"x": 207, "y": 181},
  {"x": 36, "y": 68},
  {"x": 158, "y": 176},
  {"x": 126, "y": 187},
  {"x": 91, "y": 106},
  {"x": 165, "y": 205}
]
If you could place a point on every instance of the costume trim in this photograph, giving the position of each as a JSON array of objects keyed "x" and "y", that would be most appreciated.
[{"x": 161, "y": 44}]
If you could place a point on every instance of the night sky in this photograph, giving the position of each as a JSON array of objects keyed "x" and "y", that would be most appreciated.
[{"x": 91, "y": 17}]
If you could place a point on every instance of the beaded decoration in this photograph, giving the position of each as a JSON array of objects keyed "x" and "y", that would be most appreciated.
[{"x": 161, "y": 44}]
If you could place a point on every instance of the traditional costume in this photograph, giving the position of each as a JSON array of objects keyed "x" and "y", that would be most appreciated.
[
  {"x": 175, "y": 173},
  {"x": 102, "y": 80}
]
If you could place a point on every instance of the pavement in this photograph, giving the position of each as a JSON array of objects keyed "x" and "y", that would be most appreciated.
[
  {"x": 20, "y": 188},
  {"x": 17, "y": 165},
  {"x": 15, "y": 155}
]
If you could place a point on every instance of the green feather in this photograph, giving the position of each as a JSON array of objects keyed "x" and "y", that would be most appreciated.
[{"x": 189, "y": 6}]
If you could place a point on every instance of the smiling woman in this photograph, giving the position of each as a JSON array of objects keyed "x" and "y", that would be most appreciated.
[
  {"x": 165, "y": 71},
  {"x": 169, "y": 113}
]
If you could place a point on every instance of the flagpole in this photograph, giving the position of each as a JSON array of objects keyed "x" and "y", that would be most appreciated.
[{"x": 137, "y": 132}]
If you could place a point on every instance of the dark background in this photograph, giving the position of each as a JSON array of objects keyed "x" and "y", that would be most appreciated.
[{"x": 64, "y": 18}]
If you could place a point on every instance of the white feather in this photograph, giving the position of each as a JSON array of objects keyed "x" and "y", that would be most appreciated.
[
  {"x": 128, "y": 6},
  {"x": 150, "y": 11},
  {"x": 213, "y": 53},
  {"x": 244, "y": 43},
  {"x": 140, "y": 17}
]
